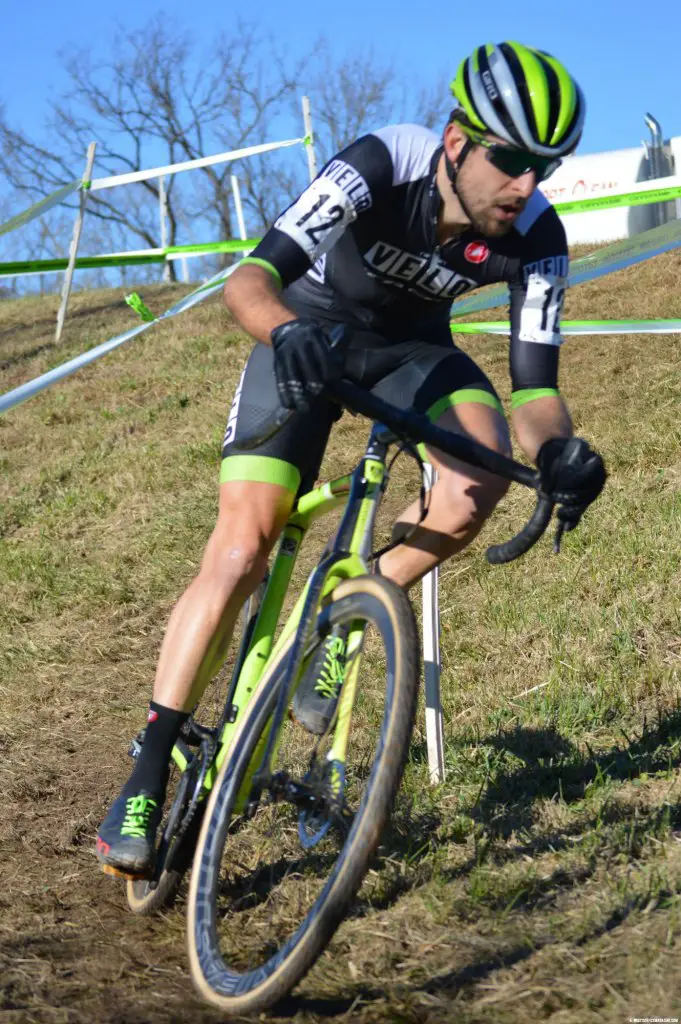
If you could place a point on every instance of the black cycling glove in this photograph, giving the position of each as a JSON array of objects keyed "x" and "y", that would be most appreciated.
[
  {"x": 572, "y": 476},
  {"x": 306, "y": 359}
]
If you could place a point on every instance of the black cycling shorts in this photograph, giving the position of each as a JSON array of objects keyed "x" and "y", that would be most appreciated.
[{"x": 427, "y": 376}]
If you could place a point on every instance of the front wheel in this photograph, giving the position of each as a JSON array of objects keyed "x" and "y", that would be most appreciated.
[{"x": 272, "y": 878}]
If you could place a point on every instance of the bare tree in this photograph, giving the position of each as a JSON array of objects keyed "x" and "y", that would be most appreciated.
[
  {"x": 156, "y": 100},
  {"x": 351, "y": 95},
  {"x": 153, "y": 102}
]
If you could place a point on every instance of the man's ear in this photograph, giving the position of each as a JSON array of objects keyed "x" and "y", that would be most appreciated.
[{"x": 454, "y": 140}]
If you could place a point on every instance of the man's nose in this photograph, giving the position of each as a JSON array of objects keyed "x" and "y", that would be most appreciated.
[{"x": 525, "y": 185}]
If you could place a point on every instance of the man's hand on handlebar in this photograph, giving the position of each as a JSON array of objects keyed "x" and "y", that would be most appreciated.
[
  {"x": 307, "y": 358},
  {"x": 572, "y": 476}
]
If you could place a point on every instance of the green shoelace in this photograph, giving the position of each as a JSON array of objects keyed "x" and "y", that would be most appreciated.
[
  {"x": 137, "y": 812},
  {"x": 333, "y": 668}
]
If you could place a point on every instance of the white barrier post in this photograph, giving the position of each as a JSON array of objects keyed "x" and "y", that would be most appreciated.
[
  {"x": 309, "y": 139},
  {"x": 75, "y": 242},
  {"x": 163, "y": 217},
  {"x": 431, "y": 666},
  {"x": 236, "y": 193}
]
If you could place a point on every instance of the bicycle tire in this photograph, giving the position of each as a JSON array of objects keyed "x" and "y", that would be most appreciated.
[
  {"x": 143, "y": 900},
  {"x": 383, "y": 604}
]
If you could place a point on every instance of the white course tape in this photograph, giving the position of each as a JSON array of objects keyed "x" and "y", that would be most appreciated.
[
  {"x": 38, "y": 209},
  {"x": 617, "y": 256},
  {"x": 34, "y": 387},
  {"x": 188, "y": 165}
]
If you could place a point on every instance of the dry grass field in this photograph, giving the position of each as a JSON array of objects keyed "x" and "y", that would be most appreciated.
[{"x": 542, "y": 880}]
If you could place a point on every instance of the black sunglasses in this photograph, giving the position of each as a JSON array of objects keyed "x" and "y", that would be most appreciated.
[{"x": 514, "y": 162}]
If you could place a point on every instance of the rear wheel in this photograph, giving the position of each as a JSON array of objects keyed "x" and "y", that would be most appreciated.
[
  {"x": 186, "y": 799},
  {"x": 273, "y": 877},
  {"x": 178, "y": 833}
]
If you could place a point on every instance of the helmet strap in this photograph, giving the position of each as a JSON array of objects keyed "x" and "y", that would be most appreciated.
[{"x": 453, "y": 170}]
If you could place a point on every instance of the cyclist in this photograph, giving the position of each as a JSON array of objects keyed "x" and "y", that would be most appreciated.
[{"x": 393, "y": 229}]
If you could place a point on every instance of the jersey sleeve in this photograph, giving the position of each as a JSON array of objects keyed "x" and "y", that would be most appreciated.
[
  {"x": 346, "y": 187},
  {"x": 537, "y": 293}
]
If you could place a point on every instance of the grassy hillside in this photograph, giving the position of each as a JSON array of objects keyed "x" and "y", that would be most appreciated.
[{"x": 542, "y": 881}]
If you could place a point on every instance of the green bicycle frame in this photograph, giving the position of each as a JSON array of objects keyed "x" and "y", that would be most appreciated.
[{"x": 347, "y": 557}]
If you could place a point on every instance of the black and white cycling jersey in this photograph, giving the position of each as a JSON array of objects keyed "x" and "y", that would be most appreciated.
[{"x": 360, "y": 246}]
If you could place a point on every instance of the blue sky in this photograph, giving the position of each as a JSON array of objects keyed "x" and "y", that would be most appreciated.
[{"x": 625, "y": 55}]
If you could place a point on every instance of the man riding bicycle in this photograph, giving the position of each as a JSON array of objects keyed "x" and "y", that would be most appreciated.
[{"x": 394, "y": 228}]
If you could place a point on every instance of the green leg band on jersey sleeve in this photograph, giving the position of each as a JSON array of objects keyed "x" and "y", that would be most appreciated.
[
  {"x": 526, "y": 395},
  {"x": 265, "y": 265},
  {"x": 260, "y": 469},
  {"x": 462, "y": 396}
]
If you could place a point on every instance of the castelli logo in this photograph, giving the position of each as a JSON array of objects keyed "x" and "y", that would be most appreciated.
[
  {"x": 152, "y": 716},
  {"x": 476, "y": 252}
]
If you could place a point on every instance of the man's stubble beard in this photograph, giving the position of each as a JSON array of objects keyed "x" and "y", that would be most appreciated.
[{"x": 481, "y": 218}]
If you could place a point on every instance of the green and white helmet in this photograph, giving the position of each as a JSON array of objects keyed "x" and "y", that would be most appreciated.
[{"x": 524, "y": 96}]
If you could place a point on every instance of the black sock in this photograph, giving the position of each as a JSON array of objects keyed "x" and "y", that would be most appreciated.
[{"x": 152, "y": 767}]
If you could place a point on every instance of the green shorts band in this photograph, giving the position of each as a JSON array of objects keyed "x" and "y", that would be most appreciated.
[
  {"x": 261, "y": 469},
  {"x": 462, "y": 397},
  {"x": 526, "y": 395}
]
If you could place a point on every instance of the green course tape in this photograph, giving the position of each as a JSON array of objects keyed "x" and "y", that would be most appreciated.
[
  {"x": 135, "y": 302},
  {"x": 83, "y": 263},
  {"x": 658, "y": 195},
  {"x": 231, "y": 245},
  {"x": 123, "y": 259},
  {"x": 579, "y": 327},
  {"x": 33, "y": 387}
]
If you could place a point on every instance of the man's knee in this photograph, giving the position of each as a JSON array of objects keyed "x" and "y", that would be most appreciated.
[
  {"x": 235, "y": 558},
  {"x": 475, "y": 498}
]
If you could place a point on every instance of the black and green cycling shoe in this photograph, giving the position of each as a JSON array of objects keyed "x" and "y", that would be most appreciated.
[
  {"x": 126, "y": 837},
  {"x": 315, "y": 700}
]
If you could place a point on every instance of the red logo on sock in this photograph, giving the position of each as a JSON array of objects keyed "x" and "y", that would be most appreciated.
[
  {"x": 476, "y": 252},
  {"x": 152, "y": 716}
]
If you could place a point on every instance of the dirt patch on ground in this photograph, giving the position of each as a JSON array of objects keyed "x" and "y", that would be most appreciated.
[{"x": 540, "y": 882}]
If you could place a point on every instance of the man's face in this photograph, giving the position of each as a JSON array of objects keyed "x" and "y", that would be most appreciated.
[{"x": 492, "y": 199}]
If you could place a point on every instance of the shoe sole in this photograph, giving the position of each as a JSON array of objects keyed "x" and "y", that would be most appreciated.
[{"x": 128, "y": 874}]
